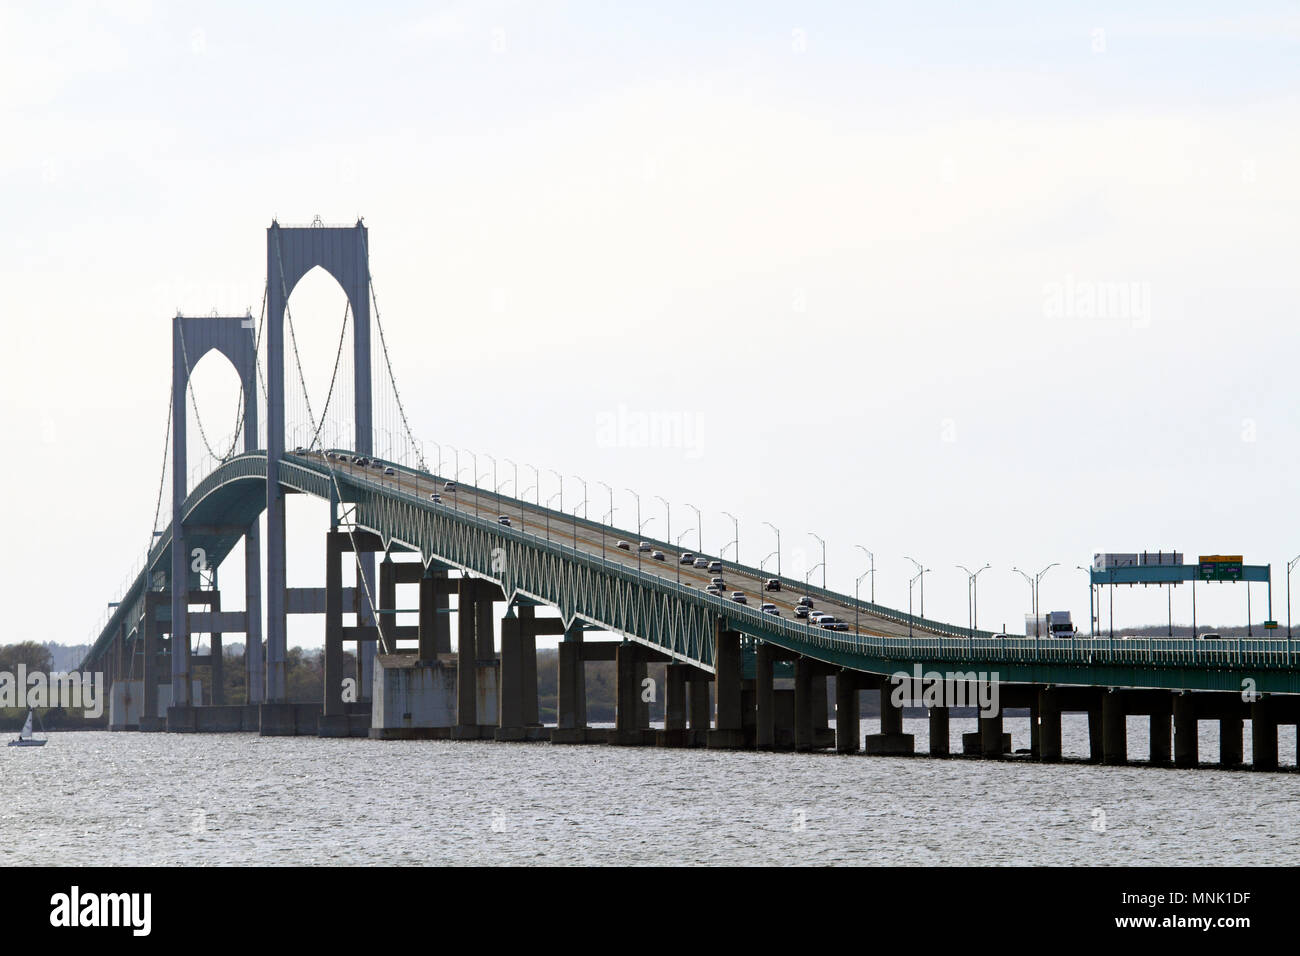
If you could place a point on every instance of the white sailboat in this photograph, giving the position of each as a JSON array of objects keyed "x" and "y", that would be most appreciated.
[{"x": 25, "y": 738}]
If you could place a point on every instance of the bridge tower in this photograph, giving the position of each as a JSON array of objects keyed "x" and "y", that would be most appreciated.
[
  {"x": 292, "y": 252},
  {"x": 192, "y": 338}
]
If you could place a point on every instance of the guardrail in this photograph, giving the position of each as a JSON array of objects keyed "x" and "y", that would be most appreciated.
[{"x": 953, "y": 644}]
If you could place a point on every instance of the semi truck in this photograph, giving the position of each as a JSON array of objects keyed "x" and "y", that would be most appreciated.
[{"x": 1051, "y": 624}]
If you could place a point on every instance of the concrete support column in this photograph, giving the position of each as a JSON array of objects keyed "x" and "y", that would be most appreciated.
[
  {"x": 992, "y": 743},
  {"x": 1049, "y": 726},
  {"x": 1186, "y": 744},
  {"x": 939, "y": 735},
  {"x": 699, "y": 710},
  {"x": 1231, "y": 747},
  {"x": 571, "y": 690},
  {"x": 528, "y": 664},
  {"x": 627, "y": 695},
  {"x": 387, "y": 616},
  {"x": 1161, "y": 736},
  {"x": 728, "y": 731},
  {"x": 332, "y": 691},
  {"x": 675, "y": 704},
  {"x": 1263, "y": 735},
  {"x": 216, "y": 694},
  {"x": 764, "y": 697},
  {"x": 511, "y": 711},
  {"x": 803, "y": 713},
  {"x": 1096, "y": 748},
  {"x": 891, "y": 715},
  {"x": 149, "y": 670},
  {"x": 1114, "y": 729},
  {"x": 429, "y": 618},
  {"x": 254, "y": 656},
  {"x": 1035, "y": 730},
  {"x": 847, "y": 713},
  {"x": 466, "y": 661}
]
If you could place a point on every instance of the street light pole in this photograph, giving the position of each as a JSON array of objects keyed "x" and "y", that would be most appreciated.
[
  {"x": 778, "y": 546},
  {"x": 610, "y": 516},
  {"x": 823, "y": 544},
  {"x": 668, "y": 535},
  {"x": 699, "y": 536},
  {"x": 921, "y": 569},
  {"x": 1033, "y": 598},
  {"x": 1038, "y": 580},
  {"x": 560, "y": 478},
  {"x": 638, "y": 527},
  {"x": 1289, "y": 565},
  {"x": 872, "y": 558},
  {"x": 537, "y": 483},
  {"x": 583, "y": 482},
  {"x": 735, "y": 528},
  {"x": 548, "y": 514}
]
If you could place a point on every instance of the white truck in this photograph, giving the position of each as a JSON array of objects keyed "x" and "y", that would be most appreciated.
[{"x": 1051, "y": 624}]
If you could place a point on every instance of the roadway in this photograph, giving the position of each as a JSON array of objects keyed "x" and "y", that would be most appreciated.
[{"x": 601, "y": 541}]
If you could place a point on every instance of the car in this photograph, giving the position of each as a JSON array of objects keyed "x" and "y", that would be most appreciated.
[
  {"x": 300, "y": 450},
  {"x": 719, "y": 582},
  {"x": 701, "y": 562},
  {"x": 687, "y": 558},
  {"x": 800, "y": 611},
  {"x": 770, "y": 609},
  {"x": 805, "y": 601},
  {"x": 502, "y": 519},
  {"x": 739, "y": 597},
  {"x": 376, "y": 464},
  {"x": 624, "y": 546},
  {"x": 389, "y": 471},
  {"x": 714, "y": 589},
  {"x": 449, "y": 486},
  {"x": 435, "y": 498},
  {"x": 643, "y": 546},
  {"x": 658, "y": 556},
  {"x": 1209, "y": 636},
  {"x": 772, "y": 584},
  {"x": 814, "y": 617},
  {"x": 358, "y": 460},
  {"x": 715, "y": 565},
  {"x": 834, "y": 625}
]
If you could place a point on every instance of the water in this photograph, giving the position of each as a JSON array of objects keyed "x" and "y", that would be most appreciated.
[{"x": 100, "y": 798}]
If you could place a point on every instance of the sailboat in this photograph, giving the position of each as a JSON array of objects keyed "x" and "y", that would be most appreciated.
[{"x": 25, "y": 738}]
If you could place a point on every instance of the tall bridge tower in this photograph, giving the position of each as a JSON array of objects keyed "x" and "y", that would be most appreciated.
[{"x": 292, "y": 252}]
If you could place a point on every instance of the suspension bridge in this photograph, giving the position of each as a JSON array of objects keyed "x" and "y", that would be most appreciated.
[{"x": 412, "y": 530}]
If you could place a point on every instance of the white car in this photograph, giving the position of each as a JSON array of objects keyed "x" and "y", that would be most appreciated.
[
  {"x": 770, "y": 609},
  {"x": 389, "y": 471},
  {"x": 643, "y": 546},
  {"x": 701, "y": 562},
  {"x": 715, "y": 565},
  {"x": 502, "y": 519},
  {"x": 739, "y": 597},
  {"x": 687, "y": 558},
  {"x": 436, "y": 498}
]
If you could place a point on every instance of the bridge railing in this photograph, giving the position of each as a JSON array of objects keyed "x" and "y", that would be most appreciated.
[{"x": 953, "y": 644}]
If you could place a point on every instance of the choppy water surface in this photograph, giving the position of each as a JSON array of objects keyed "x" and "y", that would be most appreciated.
[{"x": 100, "y": 798}]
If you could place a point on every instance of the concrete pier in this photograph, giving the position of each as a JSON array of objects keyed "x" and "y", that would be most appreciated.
[
  {"x": 1114, "y": 731},
  {"x": 847, "y": 712},
  {"x": 891, "y": 741},
  {"x": 939, "y": 732},
  {"x": 1186, "y": 744},
  {"x": 1231, "y": 749},
  {"x": 765, "y": 696},
  {"x": 1263, "y": 735},
  {"x": 629, "y": 728},
  {"x": 728, "y": 731},
  {"x": 1049, "y": 725}
]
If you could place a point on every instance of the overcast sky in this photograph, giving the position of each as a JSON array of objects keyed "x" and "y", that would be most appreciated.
[{"x": 972, "y": 283}]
